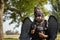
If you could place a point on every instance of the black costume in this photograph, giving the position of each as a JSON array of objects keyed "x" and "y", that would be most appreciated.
[
  {"x": 51, "y": 30},
  {"x": 38, "y": 26}
]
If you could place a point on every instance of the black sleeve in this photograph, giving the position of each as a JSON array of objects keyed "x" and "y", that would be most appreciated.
[
  {"x": 46, "y": 26},
  {"x": 45, "y": 22},
  {"x": 32, "y": 28}
]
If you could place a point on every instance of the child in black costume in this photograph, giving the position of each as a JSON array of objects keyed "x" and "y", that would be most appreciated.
[{"x": 38, "y": 27}]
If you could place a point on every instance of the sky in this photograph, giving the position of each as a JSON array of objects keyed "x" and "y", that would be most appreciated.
[{"x": 6, "y": 25}]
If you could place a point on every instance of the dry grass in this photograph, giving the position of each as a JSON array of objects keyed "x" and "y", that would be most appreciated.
[
  {"x": 58, "y": 37},
  {"x": 11, "y": 36},
  {"x": 10, "y": 39}
]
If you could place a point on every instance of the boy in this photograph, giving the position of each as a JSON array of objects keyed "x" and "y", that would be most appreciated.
[{"x": 38, "y": 26}]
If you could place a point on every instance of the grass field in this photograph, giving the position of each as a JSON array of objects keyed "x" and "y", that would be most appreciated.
[
  {"x": 17, "y": 39},
  {"x": 58, "y": 38},
  {"x": 10, "y": 39}
]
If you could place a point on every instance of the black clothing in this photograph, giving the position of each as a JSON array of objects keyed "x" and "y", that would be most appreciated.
[{"x": 36, "y": 26}]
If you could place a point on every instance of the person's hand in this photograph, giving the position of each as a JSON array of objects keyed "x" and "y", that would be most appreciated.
[
  {"x": 32, "y": 31},
  {"x": 42, "y": 35}
]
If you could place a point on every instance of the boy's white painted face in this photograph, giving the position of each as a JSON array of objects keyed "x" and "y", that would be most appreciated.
[{"x": 39, "y": 18}]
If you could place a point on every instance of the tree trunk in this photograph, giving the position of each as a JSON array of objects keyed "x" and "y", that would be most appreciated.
[{"x": 1, "y": 19}]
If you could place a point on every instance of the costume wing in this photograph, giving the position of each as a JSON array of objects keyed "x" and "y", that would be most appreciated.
[
  {"x": 25, "y": 29},
  {"x": 52, "y": 27}
]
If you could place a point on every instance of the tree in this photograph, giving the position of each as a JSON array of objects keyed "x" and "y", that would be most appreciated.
[
  {"x": 21, "y": 9},
  {"x": 55, "y": 7},
  {"x": 9, "y": 32},
  {"x": 1, "y": 20}
]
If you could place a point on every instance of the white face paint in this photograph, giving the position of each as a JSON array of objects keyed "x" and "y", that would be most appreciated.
[{"x": 39, "y": 18}]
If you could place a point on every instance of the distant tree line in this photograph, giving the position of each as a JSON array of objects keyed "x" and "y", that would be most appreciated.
[{"x": 9, "y": 32}]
